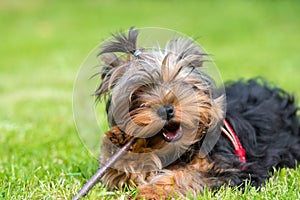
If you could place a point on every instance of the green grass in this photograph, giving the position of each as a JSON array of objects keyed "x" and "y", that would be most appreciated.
[{"x": 43, "y": 44}]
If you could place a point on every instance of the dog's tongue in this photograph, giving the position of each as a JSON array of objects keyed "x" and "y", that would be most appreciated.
[{"x": 172, "y": 136}]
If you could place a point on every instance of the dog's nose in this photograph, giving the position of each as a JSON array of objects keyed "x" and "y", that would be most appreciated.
[{"x": 166, "y": 112}]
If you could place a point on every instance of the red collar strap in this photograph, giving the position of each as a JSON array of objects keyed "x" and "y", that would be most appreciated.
[{"x": 231, "y": 135}]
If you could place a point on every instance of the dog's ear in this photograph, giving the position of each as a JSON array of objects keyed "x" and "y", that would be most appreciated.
[
  {"x": 182, "y": 53},
  {"x": 116, "y": 55},
  {"x": 187, "y": 53},
  {"x": 121, "y": 43}
]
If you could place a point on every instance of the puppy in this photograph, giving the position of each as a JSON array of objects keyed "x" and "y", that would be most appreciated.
[{"x": 188, "y": 134}]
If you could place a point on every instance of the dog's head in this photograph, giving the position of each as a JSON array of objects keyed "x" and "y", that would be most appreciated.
[{"x": 161, "y": 95}]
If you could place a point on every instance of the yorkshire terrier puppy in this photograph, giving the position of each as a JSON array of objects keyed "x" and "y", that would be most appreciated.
[{"x": 163, "y": 99}]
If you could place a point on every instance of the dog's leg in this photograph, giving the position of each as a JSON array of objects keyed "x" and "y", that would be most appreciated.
[
  {"x": 117, "y": 136},
  {"x": 174, "y": 184},
  {"x": 178, "y": 181}
]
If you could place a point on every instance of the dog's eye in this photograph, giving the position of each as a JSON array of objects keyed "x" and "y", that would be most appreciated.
[{"x": 195, "y": 87}]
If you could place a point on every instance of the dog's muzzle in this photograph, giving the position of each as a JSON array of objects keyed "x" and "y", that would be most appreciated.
[
  {"x": 166, "y": 112},
  {"x": 172, "y": 131}
]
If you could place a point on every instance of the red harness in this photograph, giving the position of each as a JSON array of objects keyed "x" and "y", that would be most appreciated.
[{"x": 231, "y": 135}]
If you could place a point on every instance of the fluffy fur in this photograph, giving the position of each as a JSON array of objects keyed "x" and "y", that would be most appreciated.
[{"x": 163, "y": 99}]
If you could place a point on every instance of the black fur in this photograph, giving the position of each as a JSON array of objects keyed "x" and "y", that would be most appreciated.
[{"x": 265, "y": 120}]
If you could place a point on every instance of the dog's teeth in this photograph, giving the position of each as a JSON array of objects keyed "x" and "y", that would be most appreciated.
[{"x": 165, "y": 135}]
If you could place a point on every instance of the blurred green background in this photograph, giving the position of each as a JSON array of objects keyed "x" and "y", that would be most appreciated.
[{"x": 43, "y": 44}]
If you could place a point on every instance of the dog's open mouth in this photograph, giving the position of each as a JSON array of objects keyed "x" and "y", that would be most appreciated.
[{"x": 172, "y": 132}]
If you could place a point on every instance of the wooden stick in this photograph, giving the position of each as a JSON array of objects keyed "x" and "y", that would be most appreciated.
[{"x": 101, "y": 171}]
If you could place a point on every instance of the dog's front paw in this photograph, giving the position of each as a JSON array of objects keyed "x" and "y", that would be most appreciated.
[
  {"x": 117, "y": 136},
  {"x": 155, "y": 192}
]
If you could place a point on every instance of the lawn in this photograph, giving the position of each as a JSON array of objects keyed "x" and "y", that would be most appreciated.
[{"x": 43, "y": 44}]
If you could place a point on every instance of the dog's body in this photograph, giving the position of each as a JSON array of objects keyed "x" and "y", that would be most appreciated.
[{"x": 164, "y": 100}]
